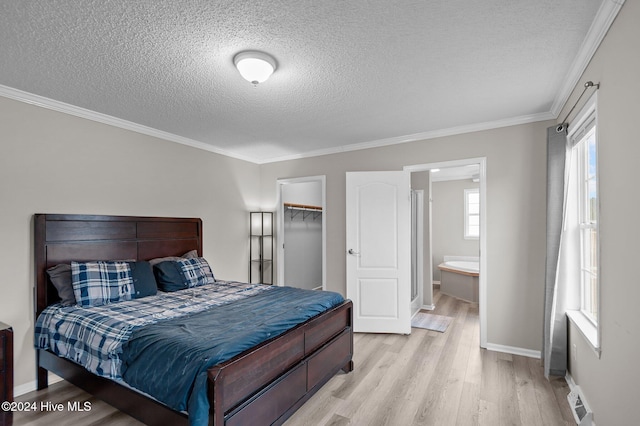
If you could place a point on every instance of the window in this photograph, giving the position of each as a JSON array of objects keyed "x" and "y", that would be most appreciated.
[
  {"x": 471, "y": 213},
  {"x": 586, "y": 154},
  {"x": 581, "y": 225}
]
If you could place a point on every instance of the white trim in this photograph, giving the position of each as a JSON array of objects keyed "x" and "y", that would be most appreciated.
[
  {"x": 76, "y": 111},
  {"x": 588, "y": 330},
  {"x": 428, "y": 307},
  {"x": 482, "y": 282},
  {"x": 529, "y": 353},
  {"x": 280, "y": 225},
  {"x": 33, "y": 385},
  {"x": 572, "y": 384},
  {"x": 601, "y": 23},
  {"x": 588, "y": 110},
  {"x": 432, "y": 134},
  {"x": 443, "y": 164},
  {"x": 419, "y": 235}
]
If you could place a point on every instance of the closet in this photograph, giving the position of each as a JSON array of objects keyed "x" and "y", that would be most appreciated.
[{"x": 303, "y": 245}]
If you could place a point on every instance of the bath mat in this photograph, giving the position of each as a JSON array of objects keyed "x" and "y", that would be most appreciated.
[{"x": 431, "y": 321}]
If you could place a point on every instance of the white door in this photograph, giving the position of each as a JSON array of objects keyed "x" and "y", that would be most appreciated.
[{"x": 379, "y": 250}]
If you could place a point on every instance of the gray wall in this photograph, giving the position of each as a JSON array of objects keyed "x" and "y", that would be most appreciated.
[
  {"x": 610, "y": 382},
  {"x": 516, "y": 159},
  {"x": 448, "y": 222},
  {"x": 56, "y": 163}
]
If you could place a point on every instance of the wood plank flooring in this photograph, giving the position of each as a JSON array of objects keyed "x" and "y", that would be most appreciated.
[{"x": 427, "y": 378}]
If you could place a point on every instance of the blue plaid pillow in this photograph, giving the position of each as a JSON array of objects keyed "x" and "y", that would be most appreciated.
[
  {"x": 101, "y": 283},
  {"x": 196, "y": 272}
]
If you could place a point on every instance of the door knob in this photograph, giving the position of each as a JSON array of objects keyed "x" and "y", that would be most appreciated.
[{"x": 355, "y": 253}]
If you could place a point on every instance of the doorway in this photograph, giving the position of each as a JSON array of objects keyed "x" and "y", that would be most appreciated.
[
  {"x": 301, "y": 232},
  {"x": 482, "y": 240},
  {"x": 417, "y": 250}
]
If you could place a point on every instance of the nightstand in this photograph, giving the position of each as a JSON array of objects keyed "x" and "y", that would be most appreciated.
[{"x": 6, "y": 362}]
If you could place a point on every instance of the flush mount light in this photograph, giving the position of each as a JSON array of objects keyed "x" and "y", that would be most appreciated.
[{"x": 255, "y": 67}]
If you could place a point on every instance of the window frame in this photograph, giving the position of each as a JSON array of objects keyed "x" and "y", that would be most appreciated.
[{"x": 585, "y": 123}]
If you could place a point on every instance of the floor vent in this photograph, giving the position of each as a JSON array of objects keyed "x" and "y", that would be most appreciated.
[{"x": 579, "y": 407}]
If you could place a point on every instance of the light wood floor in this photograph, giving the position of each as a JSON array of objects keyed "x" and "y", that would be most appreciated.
[{"x": 427, "y": 378}]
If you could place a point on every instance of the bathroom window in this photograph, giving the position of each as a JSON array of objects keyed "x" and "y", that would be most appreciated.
[{"x": 471, "y": 213}]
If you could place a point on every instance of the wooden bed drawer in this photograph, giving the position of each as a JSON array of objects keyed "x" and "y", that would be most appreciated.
[
  {"x": 318, "y": 364},
  {"x": 260, "y": 367},
  {"x": 261, "y": 409}
]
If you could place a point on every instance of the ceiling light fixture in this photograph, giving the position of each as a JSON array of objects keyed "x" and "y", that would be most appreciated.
[{"x": 255, "y": 67}]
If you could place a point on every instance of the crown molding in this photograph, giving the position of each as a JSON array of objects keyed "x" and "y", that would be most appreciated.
[
  {"x": 452, "y": 131},
  {"x": 51, "y": 104},
  {"x": 599, "y": 27}
]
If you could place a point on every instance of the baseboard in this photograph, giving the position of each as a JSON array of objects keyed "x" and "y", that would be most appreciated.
[
  {"x": 428, "y": 307},
  {"x": 32, "y": 386},
  {"x": 514, "y": 350},
  {"x": 569, "y": 380}
]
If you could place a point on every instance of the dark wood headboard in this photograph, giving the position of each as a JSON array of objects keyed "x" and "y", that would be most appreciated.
[{"x": 64, "y": 238}]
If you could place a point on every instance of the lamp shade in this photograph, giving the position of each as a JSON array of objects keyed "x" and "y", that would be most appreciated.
[
  {"x": 255, "y": 67},
  {"x": 261, "y": 223}
]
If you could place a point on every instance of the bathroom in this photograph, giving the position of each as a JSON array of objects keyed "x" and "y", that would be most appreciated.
[{"x": 455, "y": 231}]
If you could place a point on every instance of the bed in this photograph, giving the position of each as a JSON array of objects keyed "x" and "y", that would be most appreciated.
[{"x": 264, "y": 384}]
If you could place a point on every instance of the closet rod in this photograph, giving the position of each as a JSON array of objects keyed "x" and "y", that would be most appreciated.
[{"x": 293, "y": 206}]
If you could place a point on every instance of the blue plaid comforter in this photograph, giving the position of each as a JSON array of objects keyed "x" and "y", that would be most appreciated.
[{"x": 93, "y": 337}]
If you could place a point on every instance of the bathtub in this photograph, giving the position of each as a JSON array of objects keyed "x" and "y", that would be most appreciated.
[{"x": 459, "y": 277}]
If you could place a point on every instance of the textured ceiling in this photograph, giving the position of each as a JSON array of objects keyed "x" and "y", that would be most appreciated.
[{"x": 349, "y": 73}]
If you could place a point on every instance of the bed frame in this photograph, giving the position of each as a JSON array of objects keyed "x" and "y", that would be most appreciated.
[{"x": 265, "y": 384}]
